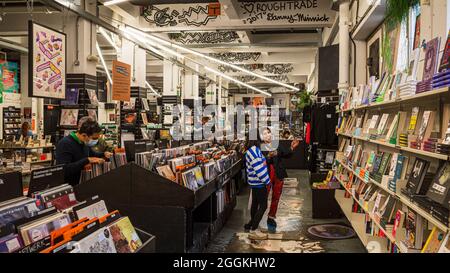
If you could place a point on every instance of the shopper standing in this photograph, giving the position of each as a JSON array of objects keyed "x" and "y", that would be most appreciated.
[
  {"x": 97, "y": 144},
  {"x": 25, "y": 130},
  {"x": 277, "y": 172},
  {"x": 73, "y": 151},
  {"x": 258, "y": 179}
]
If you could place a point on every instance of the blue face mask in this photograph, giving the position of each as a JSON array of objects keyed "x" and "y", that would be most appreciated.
[{"x": 92, "y": 142}]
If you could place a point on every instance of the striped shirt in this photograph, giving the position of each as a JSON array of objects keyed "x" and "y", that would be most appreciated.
[{"x": 257, "y": 173}]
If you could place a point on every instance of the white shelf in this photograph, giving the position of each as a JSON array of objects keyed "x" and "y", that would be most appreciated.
[
  {"x": 424, "y": 153},
  {"x": 388, "y": 235},
  {"x": 402, "y": 199},
  {"x": 405, "y": 149},
  {"x": 419, "y": 96},
  {"x": 422, "y": 212}
]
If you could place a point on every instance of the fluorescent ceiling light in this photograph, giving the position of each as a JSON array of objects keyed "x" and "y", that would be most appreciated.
[
  {"x": 162, "y": 41},
  {"x": 151, "y": 89},
  {"x": 237, "y": 81},
  {"x": 103, "y": 63},
  {"x": 108, "y": 38},
  {"x": 113, "y": 2},
  {"x": 151, "y": 45}
]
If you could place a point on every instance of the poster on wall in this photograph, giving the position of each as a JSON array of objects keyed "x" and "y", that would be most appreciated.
[
  {"x": 121, "y": 78},
  {"x": 47, "y": 61},
  {"x": 9, "y": 74},
  {"x": 258, "y": 101}
]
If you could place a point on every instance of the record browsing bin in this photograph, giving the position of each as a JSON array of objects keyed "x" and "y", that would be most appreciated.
[{"x": 156, "y": 204}]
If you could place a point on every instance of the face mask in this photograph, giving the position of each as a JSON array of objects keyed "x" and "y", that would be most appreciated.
[{"x": 92, "y": 142}]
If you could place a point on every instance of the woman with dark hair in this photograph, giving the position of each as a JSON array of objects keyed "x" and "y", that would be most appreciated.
[
  {"x": 25, "y": 131},
  {"x": 277, "y": 171}
]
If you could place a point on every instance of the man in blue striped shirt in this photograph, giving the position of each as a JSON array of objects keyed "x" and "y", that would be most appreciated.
[{"x": 258, "y": 179}]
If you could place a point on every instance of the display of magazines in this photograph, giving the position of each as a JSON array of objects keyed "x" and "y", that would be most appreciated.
[
  {"x": 53, "y": 221},
  {"x": 191, "y": 166}
]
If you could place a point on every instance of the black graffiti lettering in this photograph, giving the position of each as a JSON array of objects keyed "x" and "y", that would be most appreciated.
[
  {"x": 262, "y": 7},
  {"x": 298, "y": 18}
]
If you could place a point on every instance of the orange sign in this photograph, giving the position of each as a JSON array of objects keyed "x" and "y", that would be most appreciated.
[
  {"x": 121, "y": 78},
  {"x": 214, "y": 9}
]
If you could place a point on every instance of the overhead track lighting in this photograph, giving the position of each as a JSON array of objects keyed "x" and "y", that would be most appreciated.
[
  {"x": 114, "y": 2},
  {"x": 237, "y": 81},
  {"x": 103, "y": 63},
  {"x": 108, "y": 38},
  {"x": 190, "y": 51},
  {"x": 151, "y": 44},
  {"x": 151, "y": 89}
]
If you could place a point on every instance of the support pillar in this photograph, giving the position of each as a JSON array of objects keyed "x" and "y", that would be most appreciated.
[{"x": 344, "y": 45}]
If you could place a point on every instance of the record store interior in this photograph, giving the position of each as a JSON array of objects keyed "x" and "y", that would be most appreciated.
[{"x": 224, "y": 126}]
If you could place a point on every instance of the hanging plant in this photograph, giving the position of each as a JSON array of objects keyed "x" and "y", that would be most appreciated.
[
  {"x": 304, "y": 99},
  {"x": 397, "y": 10}
]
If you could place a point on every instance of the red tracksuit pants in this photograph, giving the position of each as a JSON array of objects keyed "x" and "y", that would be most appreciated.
[{"x": 277, "y": 189}]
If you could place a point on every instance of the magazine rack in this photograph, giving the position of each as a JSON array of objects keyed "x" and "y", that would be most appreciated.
[{"x": 180, "y": 218}]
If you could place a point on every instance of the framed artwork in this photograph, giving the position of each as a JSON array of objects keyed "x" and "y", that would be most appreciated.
[
  {"x": 9, "y": 74},
  {"x": 47, "y": 62}
]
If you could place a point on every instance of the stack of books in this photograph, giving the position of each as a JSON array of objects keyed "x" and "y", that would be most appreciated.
[
  {"x": 403, "y": 140},
  {"x": 441, "y": 80},
  {"x": 442, "y": 148},
  {"x": 430, "y": 145},
  {"x": 424, "y": 86},
  {"x": 407, "y": 89}
]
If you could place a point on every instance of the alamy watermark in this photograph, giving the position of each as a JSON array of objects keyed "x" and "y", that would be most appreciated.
[{"x": 237, "y": 122}]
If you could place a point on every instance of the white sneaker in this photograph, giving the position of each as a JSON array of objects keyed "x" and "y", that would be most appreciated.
[{"x": 257, "y": 235}]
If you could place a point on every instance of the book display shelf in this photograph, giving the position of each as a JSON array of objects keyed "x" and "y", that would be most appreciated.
[
  {"x": 394, "y": 155},
  {"x": 11, "y": 122}
]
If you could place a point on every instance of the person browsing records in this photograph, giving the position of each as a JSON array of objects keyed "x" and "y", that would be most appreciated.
[
  {"x": 258, "y": 180},
  {"x": 73, "y": 151}
]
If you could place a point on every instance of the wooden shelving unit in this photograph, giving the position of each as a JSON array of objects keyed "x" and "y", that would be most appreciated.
[
  {"x": 402, "y": 199},
  {"x": 399, "y": 148},
  {"x": 409, "y": 99}
]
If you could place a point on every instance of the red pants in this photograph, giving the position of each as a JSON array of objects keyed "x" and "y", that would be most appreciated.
[{"x": 277, "y": 189}]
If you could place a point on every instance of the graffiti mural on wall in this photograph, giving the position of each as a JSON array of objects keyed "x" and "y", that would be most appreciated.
[
  {"x": 212, "y": 37},
  {"x": 269, "y": 68},
  {"x": 163, "y": 17},
  {"x": 236, "y": 57},
  {"x": 313, "y": 13},
  {"x": 248, "y": 78}
]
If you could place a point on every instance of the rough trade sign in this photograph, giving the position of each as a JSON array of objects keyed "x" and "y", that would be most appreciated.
[
  {"x": 273, "y": 14},
  {"x": 309, "y": 12}
]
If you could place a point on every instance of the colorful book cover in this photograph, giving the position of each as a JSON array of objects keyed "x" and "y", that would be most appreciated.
[
  {"x": 71, "y": 97},
  {"x": 69, "y": 117},
  {"x": 125, "y": 237},
  {"x": 434, "y": 241},
  {"x": 199, "y": 176},
  {"x": 445, "y": 61},
  {"x": 431, "y": 59},
  {"x": 10, "y": 243},
  {"x": 99, "y": 241},
  {"x": 92, "y": 96},
  {"x": 441, "y": 184},
  {"x": 413, "y": 120}
]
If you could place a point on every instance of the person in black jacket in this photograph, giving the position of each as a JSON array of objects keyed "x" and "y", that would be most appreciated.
[
  {"x": 277, "y": 171},
  {"x": 73, "y": 151}
]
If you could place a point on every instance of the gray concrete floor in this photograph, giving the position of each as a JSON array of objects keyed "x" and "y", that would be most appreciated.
[{"x": 293, "y": 218}]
